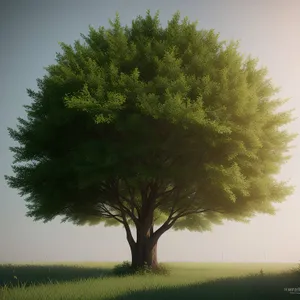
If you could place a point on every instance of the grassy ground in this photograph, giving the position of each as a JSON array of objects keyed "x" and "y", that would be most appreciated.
[{"x": 91, "y": 281}]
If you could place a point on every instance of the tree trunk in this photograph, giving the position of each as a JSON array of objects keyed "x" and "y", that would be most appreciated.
[
  {"x": 144, "y": 254},
  {"x": 144, "y": 251}
]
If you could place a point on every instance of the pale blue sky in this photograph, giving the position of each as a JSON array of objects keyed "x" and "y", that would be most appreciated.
[{"x": 29, "y": 36}]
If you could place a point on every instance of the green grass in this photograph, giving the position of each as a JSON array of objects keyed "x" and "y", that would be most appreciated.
[{"x": 91, "y": 281}]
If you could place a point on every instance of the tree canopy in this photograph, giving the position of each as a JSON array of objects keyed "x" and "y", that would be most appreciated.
[{"x": 147, "y": 125}]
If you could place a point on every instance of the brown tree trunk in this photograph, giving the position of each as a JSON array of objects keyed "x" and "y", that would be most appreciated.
[
  {"x": 144, "y": 254},
  {"x": 144, "y": 251},
  {"x": 154, "y": 262}
]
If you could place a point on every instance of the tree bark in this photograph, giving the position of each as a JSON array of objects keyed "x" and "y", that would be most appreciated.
[
  {"x": 144, "y": 251},
  {"x": 144, "y": 254}
]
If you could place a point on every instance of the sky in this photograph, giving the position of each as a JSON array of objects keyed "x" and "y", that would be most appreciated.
[{"x": 29, "y": 36}]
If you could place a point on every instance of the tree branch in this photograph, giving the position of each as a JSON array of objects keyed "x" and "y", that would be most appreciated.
[
  {"x": 129, "y": 236},
  {"x": 116, "y": 198},
  {"x": 124, "y": 210},
  {"x": 106, "y": 213},
  {"x": 164, "y": 195},
  {"x": 171, "y": 221},
  {"x": 129, "y": 212},
  {"x": 178, "y": 213},
  {"x": 131, "y": 201}
]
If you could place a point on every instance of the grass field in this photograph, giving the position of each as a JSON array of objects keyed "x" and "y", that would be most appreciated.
[{"x": 91, "y": 281}]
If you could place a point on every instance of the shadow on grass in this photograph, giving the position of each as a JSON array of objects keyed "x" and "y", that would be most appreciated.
[
  {"x": 254, "y": 287},
  {"x": 14, "y": 275}
]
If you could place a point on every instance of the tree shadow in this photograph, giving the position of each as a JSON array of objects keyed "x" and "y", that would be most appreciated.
[
  {"x": 14, "y": 275},
  {"x": 254, "y": 287}
]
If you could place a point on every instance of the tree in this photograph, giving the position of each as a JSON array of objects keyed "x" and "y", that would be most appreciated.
[{"x": 152, "y": 128}]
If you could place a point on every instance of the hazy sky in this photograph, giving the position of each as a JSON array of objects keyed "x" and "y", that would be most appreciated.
[{"x": 29, "y": 36}]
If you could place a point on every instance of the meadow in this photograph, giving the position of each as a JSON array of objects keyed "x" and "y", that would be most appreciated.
[{"x": 95, "y": 281}]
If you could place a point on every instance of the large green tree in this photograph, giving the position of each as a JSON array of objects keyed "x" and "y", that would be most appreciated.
[{"x": 152, "y": 128}]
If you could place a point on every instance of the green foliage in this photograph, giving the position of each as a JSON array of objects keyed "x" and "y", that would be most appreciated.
[
  {"x": 126, "y": 268},
  {"x": 142, "y": 118},
  {"x": 123, "y": 269}
]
